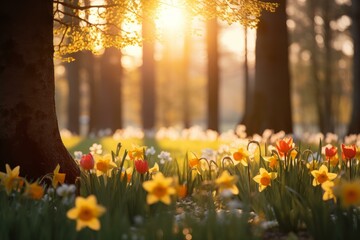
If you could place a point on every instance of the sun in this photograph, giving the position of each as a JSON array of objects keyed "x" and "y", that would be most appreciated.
[{"x": 170, "y": 16}]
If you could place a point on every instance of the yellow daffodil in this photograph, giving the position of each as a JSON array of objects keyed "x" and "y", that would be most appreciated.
[
  {"x": 227, "y": 182},
  {"x": 349, "y": 193},
  {"x": 11, "y": 178},
  {"x": 129, "y": 172},
  {"x": 137, "y": 152},
  {"x": 104, "y": 164},
  {"x": 34, "y": 191},
  {"x": 194, "y": 162},
  {"x": 154, "y": 169},
  {"x": 322, "y": 175},
  {"x": 241, "y": 155},
  {"x": 86, "y": 213},
  {"x": 313, "y": 165},
  {"x": 159, "y": 189},
  {"x": 264, "y": 178},
  {"x": 273, "y": 161},
  {"x": 58, "y": 177},
  {"x": 328, "y": 188}
]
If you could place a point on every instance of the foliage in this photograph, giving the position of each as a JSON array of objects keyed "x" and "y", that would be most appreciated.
[{"x": 94, "y": 25}]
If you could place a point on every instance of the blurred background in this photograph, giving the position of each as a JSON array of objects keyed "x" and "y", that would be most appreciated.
[{"x": 200, "y": 73}]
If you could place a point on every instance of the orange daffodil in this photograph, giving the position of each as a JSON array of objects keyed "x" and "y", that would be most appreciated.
[
  {"x": 273, "y": 161},
  {"x": 104, "y": 165},
  {"x": 137, "y": 152},
  {"x": 264, "y": 178},
  {"x": 349, "y": 193},
  {"x": 34, "y": 191},
  {"x": 227, "y": 182},
  {"x": 160, "y": 188},
  {"x": 241, "y": 156},
  {"x": 86, "y": 213},
  {"x": 322, "y": 175}
]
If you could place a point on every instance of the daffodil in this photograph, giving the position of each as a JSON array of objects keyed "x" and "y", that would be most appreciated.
[
  {"x": 264, "y": 178},
  {"x": 322, "y": 175},
  {"x": 273, "y": 162},
  {"x": 104, "y": 164},
  {"x": 11, "y": 178},
  {"x": 241, "y": 155},
  {"x": 137, "y": 152},
  {"x": 86, "y": 213},
  {"x": 58, "y": 177},
  {"x": 154, "y": 169},
  {"x": 312, "y": 165},
  {"x": 227, "y": 182},
  {"x": 128, "y": 172},
  {"x": 159, "y": 189},
  {"x": 328, "y": 188},
  {"x": 34, "y": 191},
  {"x": 349, "y": 193}
]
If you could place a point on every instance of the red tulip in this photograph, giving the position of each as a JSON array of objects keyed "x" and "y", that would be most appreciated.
[
  {"x": 141, "y": 166},
  {"x": 349, "y": 151},
  {"x": 330, "y": 151},
  {"x": 87, "y": 162},
  {"x": 284, "y": 145}
]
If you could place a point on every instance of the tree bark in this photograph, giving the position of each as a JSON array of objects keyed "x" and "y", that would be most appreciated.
[
  {"x": 148, "y": 100},
  {"x": 271, "y": 103},
  {"x": 111, "y": 74},
  {"x": 354, "y": 127},
  {"x": 73, "y": 77},
  {"x": 212, "y": 74},
  {"x": 29, "y": 135}
]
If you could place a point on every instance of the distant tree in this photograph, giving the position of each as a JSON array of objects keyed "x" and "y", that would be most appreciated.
[
  {"x": 271, "y": 103},
  {"x": 73, "y": 78},
  {"x": 212, "y": 74},
  {"x": 148, "y": 100},
  {"x": 110, "y": 93},
  {"x": 354, "y": 127}
]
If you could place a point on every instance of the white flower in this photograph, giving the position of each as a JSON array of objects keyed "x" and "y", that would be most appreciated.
[
  {"x": 164, "y": 157},
  {"x": 66, "y": 190},
  {"x": 150, "y": 151},
  {"x": 78, "y": 155},
  {"x": 96, "y": 149},
  {"x": 208, "y": 153}
]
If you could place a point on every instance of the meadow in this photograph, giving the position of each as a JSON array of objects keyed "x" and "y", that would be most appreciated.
[{"x": 191, "y": 185}]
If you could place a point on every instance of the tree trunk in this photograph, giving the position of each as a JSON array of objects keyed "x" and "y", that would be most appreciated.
[
  {"x": 73, "y": 77},
  {"x": 148, "y": 100},
  {"x": 354, "y": 127},
  {"x": 29, "y": 135},
  {"x": 248, "y": 90},
  {"x": 186, "y": 77},
  {"x": 271, "y": 103},
  {"x": 111, "y": 74},
  {"x": 212, "y": 74},
  {"x": 328, "y": 83}
]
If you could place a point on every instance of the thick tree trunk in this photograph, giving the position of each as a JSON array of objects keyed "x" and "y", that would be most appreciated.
[
  {"x": 148, "y": 100},
  {"x": 271, "y": 103},
  {"x": 355, "y": 117},
  {"x": 248, "y": 90},
  {"x": 29, "y": 134},
  {"x": 186, "y": 77},
  {"x": 212, "y": 74}
]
